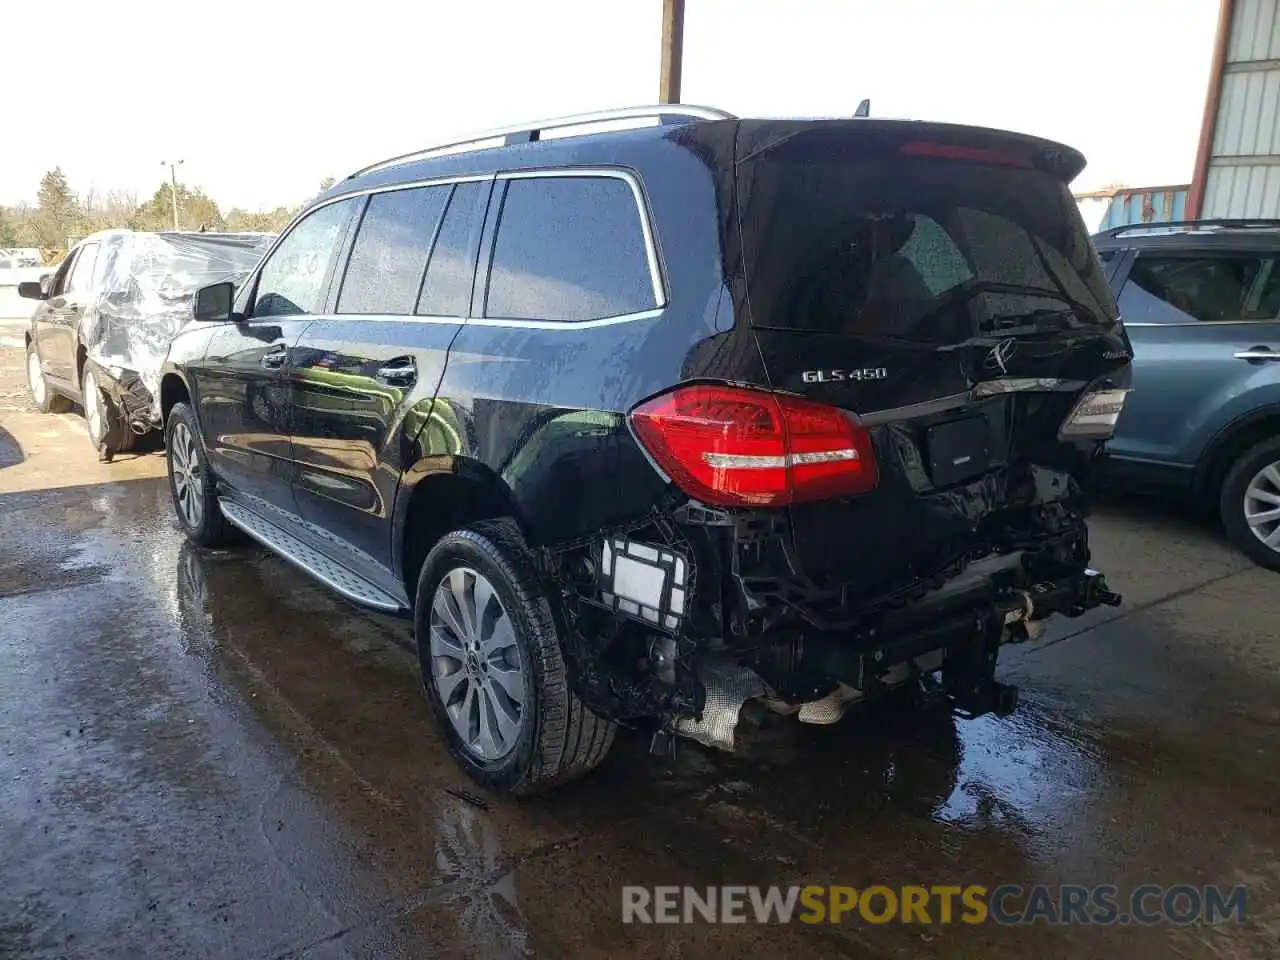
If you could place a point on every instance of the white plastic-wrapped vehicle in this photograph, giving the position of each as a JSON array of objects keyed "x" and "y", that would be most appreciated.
[{"x": 106, "y": 317}]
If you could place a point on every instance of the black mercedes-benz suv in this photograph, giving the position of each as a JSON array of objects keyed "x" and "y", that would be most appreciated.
[{"x": 643, "y": 415}]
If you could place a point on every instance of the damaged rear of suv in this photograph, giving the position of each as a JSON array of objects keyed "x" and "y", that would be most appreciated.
[{"x": 681, "y": 416}]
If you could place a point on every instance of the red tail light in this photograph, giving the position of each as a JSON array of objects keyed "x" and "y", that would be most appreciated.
[{"x": 735, "y": 447}]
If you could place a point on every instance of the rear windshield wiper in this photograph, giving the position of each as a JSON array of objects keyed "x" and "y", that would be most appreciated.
[{"x": 967, "y": 291}]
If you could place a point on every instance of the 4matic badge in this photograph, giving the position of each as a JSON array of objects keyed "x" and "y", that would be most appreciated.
[{"x": 843, "y": 376}]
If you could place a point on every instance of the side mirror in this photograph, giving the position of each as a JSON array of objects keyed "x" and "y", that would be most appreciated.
[
  {"x": 213, "y": 303},
  {"x": 33, "y": 290}
]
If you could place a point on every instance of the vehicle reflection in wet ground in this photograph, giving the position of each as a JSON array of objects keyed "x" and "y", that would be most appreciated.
[{"x": 206, "y": 753}]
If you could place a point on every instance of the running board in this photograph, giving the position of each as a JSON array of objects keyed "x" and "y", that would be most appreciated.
[{"x": 334, "y": 576}]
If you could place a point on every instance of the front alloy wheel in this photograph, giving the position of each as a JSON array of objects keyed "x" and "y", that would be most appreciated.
[
  {"x": 35, "y": 379},
  {"x": 187, "y": 483},
  {"x": 476, "y": 664},
  {"x": 191, "y": 483},
  {"x": 46, "y": 400}
]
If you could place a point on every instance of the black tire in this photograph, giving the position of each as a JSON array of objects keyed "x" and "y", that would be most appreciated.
[
  {"x": 50, "y": 402},
  {"x": 559, "y": 739},
  {"x": 205, "y": 526},
  {"x": 111, "y": 435},
  {"x": 1231, "y": 502}
]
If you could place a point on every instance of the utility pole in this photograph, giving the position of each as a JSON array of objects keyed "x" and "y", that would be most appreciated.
[
  {"x": 173, "y": 187},
  {"x": 672, "y": 50}
]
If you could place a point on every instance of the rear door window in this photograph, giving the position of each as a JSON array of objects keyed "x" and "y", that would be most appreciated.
[
  {"x": 569, "y": 249},
  {"x": 446, "y": 288},
  {"x": 1205, "y": 288},
  {"x": 384, "y": 273}
]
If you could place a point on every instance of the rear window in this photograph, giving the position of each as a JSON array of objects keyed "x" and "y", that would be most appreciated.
[{"x": 919, "y": 248}]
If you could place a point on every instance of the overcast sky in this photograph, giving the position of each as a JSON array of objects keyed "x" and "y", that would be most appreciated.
[{"x": 263, "y": 98}]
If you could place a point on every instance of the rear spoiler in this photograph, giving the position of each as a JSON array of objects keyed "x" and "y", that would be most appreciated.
[{"x": 845, "y": 137}]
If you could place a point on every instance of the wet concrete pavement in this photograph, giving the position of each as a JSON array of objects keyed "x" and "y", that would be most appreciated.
[{"x": 202, "y": 754}]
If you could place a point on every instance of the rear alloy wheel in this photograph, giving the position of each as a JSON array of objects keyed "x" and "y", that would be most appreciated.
[
  {"x": 1250, "y": 503},
  {"x": 492, "y": 668},
  {"x": 191, "y": 484},
  {"x": 46, "y": 400},
  {"x": 476, "y": 666}
]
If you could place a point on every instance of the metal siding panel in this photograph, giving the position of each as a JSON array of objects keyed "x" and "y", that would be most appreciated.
[
  {"x": 1239, "y": 192},
  {"x": 1209, "y": 204},
  {"x": 1266, "y": 138},
  {"x": 1271, "y": 41},
  {"x": 1243, "y": 19},
  {"x": 1225, "y": 177},
  {"x": 1227, "y": 137},
  {"x": 1261, "y": 39},
  {"x": 1236, "y": 38},
  {"x": 1254, "y": 190},
  {"x": 1271, "y": 195},
  {"x": 1218, "y": 192},
  {"x": 1251, "y": 113}
]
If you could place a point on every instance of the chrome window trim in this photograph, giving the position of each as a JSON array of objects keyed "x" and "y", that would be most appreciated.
[
  {"x": 1200, "y": 323},
  {"x": 565, "y": 324},
  {"x": 491, "y": 321},
  {"x": 252, "y": 278},
  {"x": 656, "y": 274}
]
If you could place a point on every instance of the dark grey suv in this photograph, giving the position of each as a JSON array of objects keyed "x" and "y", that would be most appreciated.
[{"x": 639, "y": 424}]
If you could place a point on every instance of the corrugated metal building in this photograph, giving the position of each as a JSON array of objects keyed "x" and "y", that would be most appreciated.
[
  {"x": 1238, "y": 162},
  {"x": 1119, "y": 207}
]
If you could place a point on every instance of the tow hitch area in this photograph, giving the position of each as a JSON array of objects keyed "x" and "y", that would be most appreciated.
[{"x": 945, "y": 655}]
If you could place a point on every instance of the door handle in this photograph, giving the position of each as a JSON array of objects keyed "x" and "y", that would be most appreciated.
[
  {"x": 274, "y": 359},
  {"x": 399, "y": 373},
  {"x": 1257, "y": 354}
]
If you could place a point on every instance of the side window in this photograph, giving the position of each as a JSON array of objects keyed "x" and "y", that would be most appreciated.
[
  {"x": 1211, "y": 289},
  {"x": 446, "y": 289},
  {"x": 1263, "y": 301},
  {"x": 390, "y": 251},
  {"x": 292, "y": 281},
  {"x": 81, "y": 279},
  {"x": 569, "y": 248}
]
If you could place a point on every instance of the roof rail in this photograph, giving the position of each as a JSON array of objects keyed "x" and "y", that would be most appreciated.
[
  {"x": 666, "y": 113},
  {"x": 1259, "y": 224}
]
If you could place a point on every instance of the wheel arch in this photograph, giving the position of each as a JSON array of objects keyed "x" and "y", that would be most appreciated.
[
  {"x": 439, "y": 494},
  {"x": 1229, "y": 443},
  {"x": 173, "y": 388}
]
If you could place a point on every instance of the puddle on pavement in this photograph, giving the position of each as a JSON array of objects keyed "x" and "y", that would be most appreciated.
[{"x": 250, "y": 679}]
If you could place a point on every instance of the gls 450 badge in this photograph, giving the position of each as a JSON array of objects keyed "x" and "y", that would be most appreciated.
[{"x": 843, "y": 376}]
